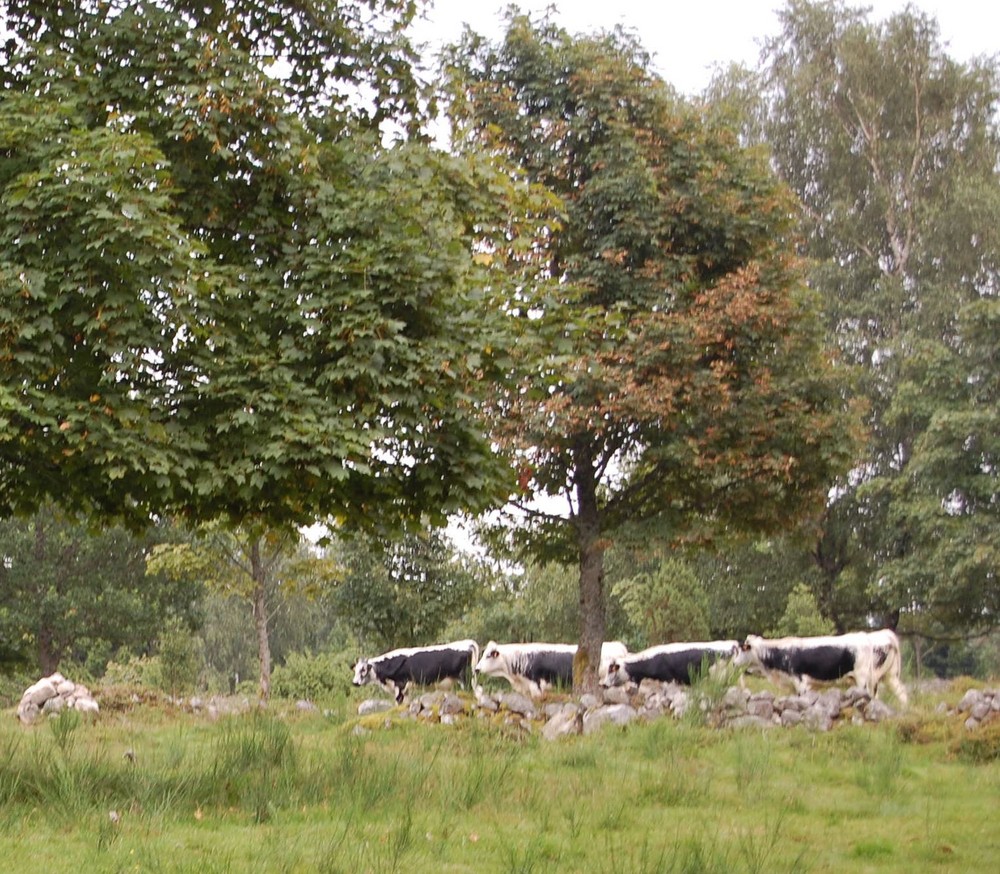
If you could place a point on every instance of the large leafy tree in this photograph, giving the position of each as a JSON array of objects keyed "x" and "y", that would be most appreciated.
[
  {"x": 220, "y": 292},
  {"x": 892, "y": 147},
  {"x": 70, "y": 593},
  {"x": 687, "y": 381}
]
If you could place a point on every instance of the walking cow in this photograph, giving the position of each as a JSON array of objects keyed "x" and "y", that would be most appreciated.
[
  {"x": 533, "y": 668},
  {"x": 668, "y": 662},
  {"x": 867, "y": 656},
  {"x": 395, "y": 671}
]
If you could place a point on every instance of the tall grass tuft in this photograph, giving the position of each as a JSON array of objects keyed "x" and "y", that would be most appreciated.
[
  {"x": 880, "y": 764},
  {"x": 64, "y": 726},
  {"x": 254, "y": 765}
]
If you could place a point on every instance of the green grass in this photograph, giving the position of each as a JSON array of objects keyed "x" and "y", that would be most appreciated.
[{"x": 281, "y": 791}]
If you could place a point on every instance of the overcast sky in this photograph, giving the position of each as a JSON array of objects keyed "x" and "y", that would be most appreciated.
[{"x": 690, "y": 38}]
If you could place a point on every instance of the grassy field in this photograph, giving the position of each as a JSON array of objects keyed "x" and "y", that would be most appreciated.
[{"x": 154, "y": 791}]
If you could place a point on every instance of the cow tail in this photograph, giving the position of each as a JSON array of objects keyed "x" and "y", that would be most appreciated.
[
  {"x": 893, "y": 670},
  {"x": 474, "y": 649}
]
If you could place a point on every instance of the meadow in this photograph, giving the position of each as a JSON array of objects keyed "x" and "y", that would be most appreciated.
[{"x": 149, "y": 789}]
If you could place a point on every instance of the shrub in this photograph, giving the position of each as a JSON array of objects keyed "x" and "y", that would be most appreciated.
[
  {"x": 979, "y": 746},
  {"x": 309, "y": 676},
  {"x": 802, "y": 617}
]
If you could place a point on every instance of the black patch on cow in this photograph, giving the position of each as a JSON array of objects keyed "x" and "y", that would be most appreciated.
[
  {"x": 677, "y": 667},
  {"x": 555, "y": 668},
  {"x": 423, "y": 667},
  {"x": 881, "y": 656},
  {"x": 818, "y": 662}
]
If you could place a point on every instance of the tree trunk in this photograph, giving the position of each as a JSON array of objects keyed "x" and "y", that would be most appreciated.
[
  {"x": 47, "y": 650},
  {"x": 592, "y": 610},
  {"x": 259, "y": 601},
  {"x": 48, "y": 654}
]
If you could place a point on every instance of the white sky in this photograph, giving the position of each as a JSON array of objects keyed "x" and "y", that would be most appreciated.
[{"x": 688, "y": 39}]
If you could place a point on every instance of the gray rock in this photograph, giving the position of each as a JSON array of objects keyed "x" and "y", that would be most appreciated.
[
  {"x": 615, "y": 714},
  {"x": 735, "y": 699},
  {"x": 981, "y": 709},
  {"x": 971, "y": 723},
  {"x": 818, "y": 719},
  {"x": 791, "y": 717},
  {"x": 517, "y": 703},
  {"x": 589, "y": 701},
  {"x": 374, "y": 705},
  {"x": 568, "y": 721},
  {"x": 28, "y": 712},
  {"x": 451, "y": 706},
  {"x": 877, "y": 711},
  {"x": 54, "y": 705},
  {"x": 616, "y": 695},
  {"x": 761, "y": 708},
  {"x": 969, "y": 700}
]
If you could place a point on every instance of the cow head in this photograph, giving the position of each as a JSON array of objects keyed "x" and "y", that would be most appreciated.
[
  {"x": 492, "y": 662},
  {"x": 364, "y": 673},
  {"x": 615, "y": 674},
  {"x": 745, "y": 654}
]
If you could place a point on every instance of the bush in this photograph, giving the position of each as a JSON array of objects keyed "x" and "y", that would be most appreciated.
[
  {"x": 310, "y": 677},
  {"x": 802, "y": 617},
  {"x": 669, "y": 604},
  {"x": 979, "y": 746}
]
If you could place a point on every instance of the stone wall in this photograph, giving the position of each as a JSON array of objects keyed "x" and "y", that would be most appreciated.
[{"x": 736, "y": 707}]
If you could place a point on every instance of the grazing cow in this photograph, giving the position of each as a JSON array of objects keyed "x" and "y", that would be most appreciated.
[
  {"x": 533, "y": 668},
  {"x": 868, "y": 656},
  {"x": 396, "y": 670},
  {"x": 669, "y": 662}
]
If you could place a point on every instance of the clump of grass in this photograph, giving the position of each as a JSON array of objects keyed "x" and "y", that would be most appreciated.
[
  {"x": 254, "y": 765},
  {"x": 880, "y": 765},
  {"x": 753, "y": 761},
  {"x": 978, "y": 746},
  {"x": 64, "y": 726}
]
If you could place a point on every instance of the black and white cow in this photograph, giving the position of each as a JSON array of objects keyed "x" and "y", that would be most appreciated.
[
  {"x": 669, "y": 662},
  {"x": 533, "y": 668},
  {"x": 422, "y": 666},
  {"x": 867, "y": 656}
]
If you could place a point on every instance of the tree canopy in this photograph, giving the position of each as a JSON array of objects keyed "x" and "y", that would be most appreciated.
[
  {"x": 220, "y": 292},
  {"x": 893, "y": 148},
  {"x": 690, "y": 382}
]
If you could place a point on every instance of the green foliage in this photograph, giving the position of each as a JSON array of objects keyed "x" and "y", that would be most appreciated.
[
  {"x": 178, "y": 662},
  {"x": 221, "y": 293},
  {"x": 893, "y": 148},
  {"x": 802, "y": 616},
  {"x": 666, "y": 605},
  {"x": 64, "y": 726},
  {"x": 74, "y": 592},
  {"x": 678, "y": 372},
  {"x": 402, "y": 592},
  {"x": 305, "y": 676},
  {"x": 981, "y": 746}
]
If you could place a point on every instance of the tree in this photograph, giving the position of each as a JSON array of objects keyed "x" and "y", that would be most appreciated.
[
  {"x": 248, "y": 563},
  {"x": 220, "y": 293},
  {"x": 69, "y": 592},
  {"x": 401, "y": 592},
  {"x": 687, "y": 381},
  {"x": 893, "y": 149},
  {"x": 802, "y": 617},
  {"x": 667, "y": 605}
]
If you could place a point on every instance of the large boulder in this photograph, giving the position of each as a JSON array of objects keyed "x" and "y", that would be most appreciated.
[{"x": 53, "y": 694}]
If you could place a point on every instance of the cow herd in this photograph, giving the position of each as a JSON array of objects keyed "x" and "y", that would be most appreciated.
[{"x": 868, "y": 657}]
